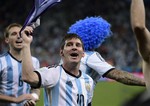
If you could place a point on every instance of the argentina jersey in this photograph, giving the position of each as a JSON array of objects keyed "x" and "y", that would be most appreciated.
[
  {"x": 94, "y": 65},
  {"x": 11, "y": 83},
  {"x": 66, "y": 89}
]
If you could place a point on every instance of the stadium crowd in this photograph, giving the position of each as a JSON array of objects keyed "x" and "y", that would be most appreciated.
[{"x": 120, "y": 49}]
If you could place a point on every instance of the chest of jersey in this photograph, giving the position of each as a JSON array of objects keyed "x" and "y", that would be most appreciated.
[{"x": 71, "y": 91}]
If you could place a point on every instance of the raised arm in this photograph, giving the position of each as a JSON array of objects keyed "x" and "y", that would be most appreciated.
[
  {"x": 28, "y": 74},
  {"x": 142, "y": 36},
  {"x": 139, "y": 28}
]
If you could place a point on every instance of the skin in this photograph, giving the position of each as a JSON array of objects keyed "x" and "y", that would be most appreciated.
[
  {"x": 72, "y": 62},
  {"x": 125, "y": 78},
  {"x": 142, "y": 35}
]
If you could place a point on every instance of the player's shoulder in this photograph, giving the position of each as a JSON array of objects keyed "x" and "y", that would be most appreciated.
[
  {"x": 50, "y": 68},
  {"x": 91, "y": 55},
  {"x": 35, "y": 58},
  {"x": 4, "y": 54},
  {"x": 53, "y": 66},
  {"x": 87, "y": 55}
]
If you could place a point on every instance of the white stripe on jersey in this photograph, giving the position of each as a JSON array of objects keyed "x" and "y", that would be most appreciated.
[
  {"x": 67, "y": 90},
  {"x": 10, "y": 78}
]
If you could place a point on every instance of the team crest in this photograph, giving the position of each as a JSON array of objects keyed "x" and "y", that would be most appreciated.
[{"x": 88, "y": 87}]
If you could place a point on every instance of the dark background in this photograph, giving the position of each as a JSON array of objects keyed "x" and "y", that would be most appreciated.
[{"x": 120, "y": 49}]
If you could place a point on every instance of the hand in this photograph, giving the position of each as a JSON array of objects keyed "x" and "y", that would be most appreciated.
[
  {"x": 26, "y": 35},
  {"x": 30, "y": 103}
]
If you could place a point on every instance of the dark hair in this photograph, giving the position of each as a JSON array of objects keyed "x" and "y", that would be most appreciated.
[
  {"x": 6, "y": 32},
  {"x": 68, "y": 37}
]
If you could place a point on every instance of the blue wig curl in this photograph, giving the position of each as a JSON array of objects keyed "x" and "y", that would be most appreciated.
[{"x": 92, "y": 30}]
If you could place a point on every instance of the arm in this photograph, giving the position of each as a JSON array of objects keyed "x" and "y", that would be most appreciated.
[
  {"x": 10, "y": 99},
  {"x": 125, "y": 77},
  {"x": 138, "y": 26},
  {"x": 142, "y": 36},
  {"x": 28, "y": 74},
  {"x": 97, "y": 63}
]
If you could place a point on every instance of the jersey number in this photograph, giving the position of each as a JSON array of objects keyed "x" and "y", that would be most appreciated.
[
  {"x": 80, "y": 99},
  {"x": 20, "y": 81}
]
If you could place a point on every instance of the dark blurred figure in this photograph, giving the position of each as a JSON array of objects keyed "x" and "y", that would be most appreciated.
[{"x": 141, "y": 99}]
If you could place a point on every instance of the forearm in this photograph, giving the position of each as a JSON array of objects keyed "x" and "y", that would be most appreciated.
[
  {"x": 28, "y": 74},
  {"x": 8, "y": 99},
  {"x": 125, "y": 78}
]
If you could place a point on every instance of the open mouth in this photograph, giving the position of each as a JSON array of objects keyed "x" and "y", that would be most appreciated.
[
  {"x": 18, "y": 41},
  {"x": 74, "y": 54}
]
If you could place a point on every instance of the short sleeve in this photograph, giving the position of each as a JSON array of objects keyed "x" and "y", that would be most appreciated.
[
  {"x": 49, "y": 76},
  {"x": 97, "y": 63}
]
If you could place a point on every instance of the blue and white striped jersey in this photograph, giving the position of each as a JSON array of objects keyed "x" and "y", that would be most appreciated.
[
  {"x": 92, "y": 64},
  {"x": 11, "y": 83},
  {"x": 67, "y": 89}
]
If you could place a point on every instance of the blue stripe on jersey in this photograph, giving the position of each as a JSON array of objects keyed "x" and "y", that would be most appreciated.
[
  {"x": 46, "y": 97},
  {"x": 68, "y": 92},
  {"x": 79, "y": 86},
  {"x": 9, "y": 75},
  {"x": 55, "y": 92}
]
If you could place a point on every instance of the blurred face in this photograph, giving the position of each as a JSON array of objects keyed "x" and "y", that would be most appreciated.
[
  {"x": 73, "y": 51},
  {"x": 14, "y": 40}
]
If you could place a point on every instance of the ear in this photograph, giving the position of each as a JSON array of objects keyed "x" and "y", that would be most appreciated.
[
  {"x": 6, "y": 40},
  {"x": 61, "y": 53}
]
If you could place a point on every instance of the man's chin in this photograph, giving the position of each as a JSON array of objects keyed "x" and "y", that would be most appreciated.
[
  {"x": 75, "y": 61},
  {"x": 18, "y": 49}
]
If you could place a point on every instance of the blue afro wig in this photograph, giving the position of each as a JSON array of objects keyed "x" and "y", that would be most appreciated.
[{"x": 92, "y": 30}]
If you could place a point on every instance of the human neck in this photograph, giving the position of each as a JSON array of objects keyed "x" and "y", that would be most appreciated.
[
  {"x": 16, "y": 54},
  {"x": 72, "y": 68}
]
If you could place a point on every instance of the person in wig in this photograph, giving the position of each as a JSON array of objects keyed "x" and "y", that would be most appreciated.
[{"x": 93, "y": 31}]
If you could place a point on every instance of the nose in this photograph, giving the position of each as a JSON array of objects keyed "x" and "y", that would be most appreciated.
[
  {"x": 18, "y": 36},
  {"x": 74, "y": 47}
]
